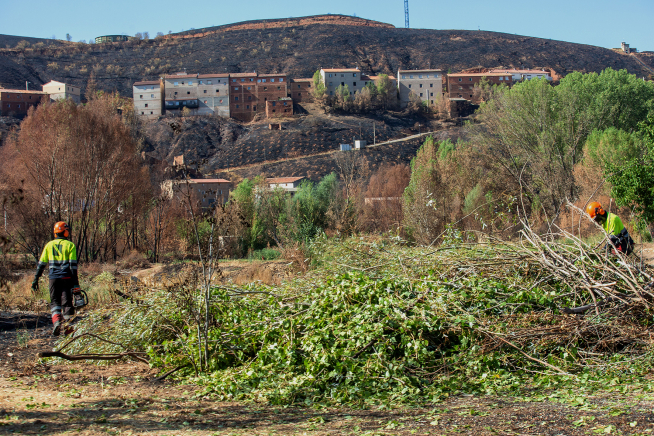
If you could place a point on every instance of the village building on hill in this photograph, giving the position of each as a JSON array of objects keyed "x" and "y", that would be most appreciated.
[
  {"x": 201, "y": 94},
  {"x": 61, "y": 91},
  {"x": 427, "y": 85},
  {"x": 16, "y": 102},
  {"x": 148, "y": 99},
  {"x": 462, "y": 85}
]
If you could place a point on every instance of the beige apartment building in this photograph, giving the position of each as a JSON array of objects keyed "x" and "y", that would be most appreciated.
[
  {"x": 181, "y": 91},
  {"x": 335, "y": 77},
  {"x": 62, "y": 91},
  {"x": 207, "y": 192},
  {"x": 425, "y": 84},
  {"x": 148, "y": 99},
  {"x": 213, "y": 94}
]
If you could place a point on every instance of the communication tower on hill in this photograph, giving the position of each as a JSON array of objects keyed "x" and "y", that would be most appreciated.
[{"x": 406, "y": 13}]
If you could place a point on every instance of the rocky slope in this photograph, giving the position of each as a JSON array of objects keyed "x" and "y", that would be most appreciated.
[{"x": 297, "y": 47}]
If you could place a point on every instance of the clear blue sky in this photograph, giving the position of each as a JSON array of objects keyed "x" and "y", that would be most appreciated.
[{"x": 597, "y": 22}]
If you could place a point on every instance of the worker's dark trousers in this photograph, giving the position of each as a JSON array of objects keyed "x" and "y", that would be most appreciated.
[{"x": 61, "y": 299}]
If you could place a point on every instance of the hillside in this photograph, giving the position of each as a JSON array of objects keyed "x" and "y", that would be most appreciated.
[
  {"x": 304, "y": 146},
  {"x": 298, "y": 47}
]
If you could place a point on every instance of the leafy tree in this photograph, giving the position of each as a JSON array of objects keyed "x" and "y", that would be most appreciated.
[
  {"x": 318, "y": 85},
  {"x": 386, "y": 91},
  {"x": 632, "y": 175}
]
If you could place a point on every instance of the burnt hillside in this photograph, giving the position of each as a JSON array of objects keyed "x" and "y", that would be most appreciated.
[
  {"x": 219, "y": 144},
  {"x": 298, "y": 47}
]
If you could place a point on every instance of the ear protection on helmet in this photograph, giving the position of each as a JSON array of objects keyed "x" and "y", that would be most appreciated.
[{"x": 62, "y": 227}]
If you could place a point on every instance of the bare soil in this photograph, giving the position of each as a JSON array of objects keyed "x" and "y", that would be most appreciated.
[{"x": 38, "y": 397}]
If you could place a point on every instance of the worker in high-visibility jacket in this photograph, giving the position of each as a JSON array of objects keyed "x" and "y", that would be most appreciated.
[
  {"x": 60, "y": 256},
  {"x": 612, "y": 225}
]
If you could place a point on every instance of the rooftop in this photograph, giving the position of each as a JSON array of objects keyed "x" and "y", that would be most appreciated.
[
  {"x": 276, "y": 180},
  {"x": 242, "y": 74},
  {"x": 22, "y": 91},
  {"x": 208, "y": 181},
  {"x": 421, "y": 71},
  {"x": 477, "y": 74},
  {"x": 341, "y": 70},
  {"x": 147, "y": 82},
  {"x": 180, "y": 76},
  {"x": 308, "y": 79},
  {"x": 272, "y": 75},
  {"x": 206, "y": 76},
  {"x": 497, "y": 70}
]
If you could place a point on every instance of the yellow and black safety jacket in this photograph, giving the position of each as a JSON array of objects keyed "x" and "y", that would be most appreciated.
[{"x": 60, "y": 256}]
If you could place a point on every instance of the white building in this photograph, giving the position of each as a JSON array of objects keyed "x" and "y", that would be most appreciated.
[
  {"x": 213, "y": 94},
  {"x": 61, "y": 91},
  {"x": 289, "y": 184},
  {"x": 148, "y": 99},
  {"x": 518, "y": 75},
  {"x": 335, "y": 77}
]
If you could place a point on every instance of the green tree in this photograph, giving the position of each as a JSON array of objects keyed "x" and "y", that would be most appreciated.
[{"x": 318, "y": 85}]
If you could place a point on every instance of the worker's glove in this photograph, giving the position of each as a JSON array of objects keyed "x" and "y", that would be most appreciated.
[{"x": 35, "y": 284}]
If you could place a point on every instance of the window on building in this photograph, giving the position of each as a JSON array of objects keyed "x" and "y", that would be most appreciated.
[
  {"x": 419, "y": 76},
  {"x": 403, "y": 76},
  {"x": 501, "y": 78},
  {"x": 411, "y": 77},
  {"x": 421, "y": 85},
  {"x": 460, "y": 79},
  {"x": 330, "y": 83},
  {"x": 151, "y": 95},
  {"x": 470, "y": 95},
  {"x": 233, "y": 80},
  {"x": 409, "y": 86},
  {"x": 470, "y": 79},
  {"x": 330, "y": 74},
  {"x": 432, "y": 94},
  {"x": 146, "y": 105},
  {"x": 249, "y": 88},
  {"x": 274, "y": 103},
  {"x": 151, "y": 113},
  {"x": 236, "y": 88},
  {"x": 251, "y": 80},
  {"x": 188, "y": 92},
  {"x": 242, "y": 80},
  {"x": 205, "y": 91},
  {"x": 249, "y": 97},
  {"x": 354, "y": 83},
  {"x": 431, "y": 85},
  {"x": 217, "y": 91},
  {"x": 342, "y": 75},
  {"x": 281, "y": 79},
  {"x": 175, "y": 83},
  {"x": 236, "y": 106},
  {"x": 142, "y": 113},
  {"x": 299, "y": 87},
  {"x": 263, "y": 80},
  {"x": 200, "y": 82},
  {"x": 140, "y": 96},
  {"x": 421, "y": 94},
  {"x": 182, "y": 83},
  {"x": 209, "y": 82},
  {"x": 354, "y": 75},
  {"x": 247, "y": 106},
  {"x": 235, "y": 98},
  {"x": 279, "y": 88},
  {"x": 254, "y": 108},
  {"x": 265, "y": 88},
  {"x": 272, "y": 80}
]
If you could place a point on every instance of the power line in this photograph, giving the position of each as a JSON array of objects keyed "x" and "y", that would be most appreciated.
[{"x": 406, "y": 13}]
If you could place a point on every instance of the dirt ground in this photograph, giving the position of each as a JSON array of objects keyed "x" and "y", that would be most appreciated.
[{"x": 123, "y": 398}]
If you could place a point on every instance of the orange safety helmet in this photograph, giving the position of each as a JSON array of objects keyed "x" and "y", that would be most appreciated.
[
  {"x": 594, "y": 208},
  {"x": 62, "y": 227}
]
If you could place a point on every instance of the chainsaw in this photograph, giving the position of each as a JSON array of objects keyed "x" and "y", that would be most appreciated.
[{"x": 80, "y": 299}]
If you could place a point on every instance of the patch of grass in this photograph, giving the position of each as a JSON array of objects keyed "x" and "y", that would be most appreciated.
[{"x": 264, "y": 254}]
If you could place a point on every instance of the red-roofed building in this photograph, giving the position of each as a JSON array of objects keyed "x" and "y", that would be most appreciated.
[
  {"x": 462, "y": 85},
  {"x": 301, "y": 90},
  {"x": 249, "y": 92},
  {"x": 16, "y": 102},
  {"x": 519, "y": 75},
  {"x": 208, "y": 192}
]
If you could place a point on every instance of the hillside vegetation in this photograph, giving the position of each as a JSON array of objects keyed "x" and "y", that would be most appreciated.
[{"x": 298, "y": 49}]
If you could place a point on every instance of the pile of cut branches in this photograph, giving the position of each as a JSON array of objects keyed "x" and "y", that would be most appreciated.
[{"x": 379, "y": 320}]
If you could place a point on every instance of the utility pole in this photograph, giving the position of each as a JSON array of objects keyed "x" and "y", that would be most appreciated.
[{"x": 406, "y": 14}]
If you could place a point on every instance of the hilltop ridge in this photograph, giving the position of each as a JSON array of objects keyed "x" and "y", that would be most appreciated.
[{"x": 298, "y": 47}]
